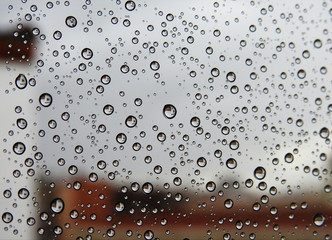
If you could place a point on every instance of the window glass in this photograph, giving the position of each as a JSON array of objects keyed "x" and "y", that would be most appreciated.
[{"x": 165, "y": 119}]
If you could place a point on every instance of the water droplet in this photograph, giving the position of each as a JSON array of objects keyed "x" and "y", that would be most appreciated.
[
  {"x": 7, "y": 193},
  {"x": 119, "y": 207},
  {"x": 231, "y": 163},
  {"x": 71, "y": 21},
  {"x": 31, "y": 221},
  {"x": 101, "y": 164},
  {"x": 154, "y": 65},
  {"x": 158, "y": 169},
  {"x": 201, "y": 162},
  {"x": 57, "y": 205},
  {"x": 19, "y": 148},
  {"x": 228, "y": 203},
  {"x": 45, "y": 99},
  {"x": 135, "y": 186},
  {"x": 121, "y": 138},
  {"x": 210, "y": 186},
  {"x": 260, "y": 173},
  {"x": 79, "y": 149},
  {"x": 108, "y": 109},
  {"x": 21, "y": 81},
  {"x": 93, "y": 177},
  {"x": 169, "y": 111},
  {"x": 105, "y": 79},
  {"x": 7, "y": 217},
  {"x": 161, "y": 137},
  {"x": 57, "y": 35},
  {"x": 130, "y": 5},
  {"x": 138, "y": 102},
  {"x": 21, "y": 123},
  {"x": 87, "y": 53},
  {"x": 301, "y": 74},
  {"x": 124, "y": 69},
  {"x": 319, "y": 220},
  {"x": 110, "y": 233},
  {"x": 231, "y": 77},
  {"x": 318, "y": 43},
  {"x": 148, "y": 235},
  {"x": 324, "y": 133},
  {"x": 131, "y": 121},
  {"x": 289, "y": 157},
  {"x": 23, "y": 193},
  {"x": 195, "y": 122},
  {"x": 170, "y": 17},
  {"x": 147, "y": 188},
  {"x": 72, "y": 170},
  {"x": 215, "y": 72},
  {"x": 234, "y": 145}
]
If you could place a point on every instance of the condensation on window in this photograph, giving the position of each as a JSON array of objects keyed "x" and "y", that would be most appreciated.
[{"x": 165, "y": 119}]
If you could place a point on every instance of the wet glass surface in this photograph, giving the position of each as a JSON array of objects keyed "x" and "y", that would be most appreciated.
[{"x": 165, "y": 119}]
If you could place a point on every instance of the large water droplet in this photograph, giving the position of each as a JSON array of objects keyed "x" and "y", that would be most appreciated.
[
  {"x": 130, "y": 5},
  {"x": 7, "y": 217},
  {"x": 324, "y": 132},
  {"x": 289, "y": 157},
  {"x": 71, "y": 21},
  {"x": 231, "y": 77},
  {"x": 21, "y": 81},
  {"x": 119, "y": 207},
  {"x": 147, "y": 188},
  {"x": 195, "y": 122},
  {"x": 23, "y": 193},
  {"x": 148, "y": 235},
  {"x": 87, "y": 53},
  {"x": 45, "y": 99},
  {"x": 121, "y": 138},
  {"x": 319, "y": 220},
  {"x": 169, "y": 111},
  {"x": 260, "y": 173},
  {"x": 21, "y": 123},
  {"x": 231, "y": 163},
  {"x": 201, "y": 162},
  {"x": 228, "y": 203},
  {"x": 57, "y": 205},
  {"x": 210, "y": 186},
  {"x": 105, "y": 79},
  {"x": 19, "y": 148},
  {"x": 131, "y": 121},
  {"x": 108, "y": 109}
]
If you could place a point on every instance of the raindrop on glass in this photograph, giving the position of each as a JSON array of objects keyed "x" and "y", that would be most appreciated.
[
  {"x": 45, "y": 99},
  {"x": 169, "y": 111},
  {"x": 57, "y": 205}
]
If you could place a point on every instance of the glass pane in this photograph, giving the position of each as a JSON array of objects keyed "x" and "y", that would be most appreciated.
[{"x": 165, "y": 119}]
